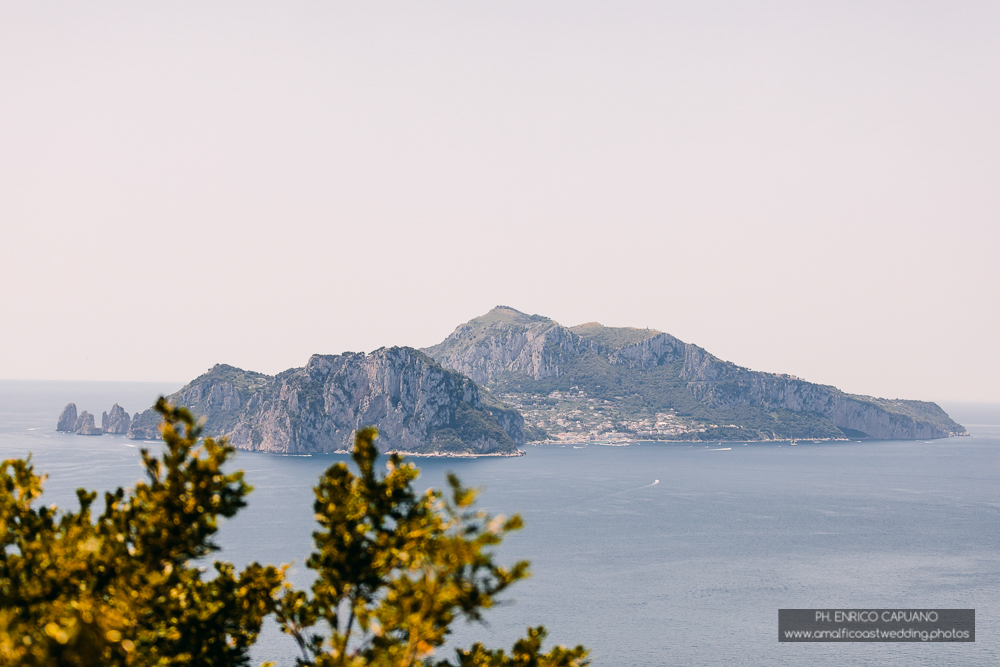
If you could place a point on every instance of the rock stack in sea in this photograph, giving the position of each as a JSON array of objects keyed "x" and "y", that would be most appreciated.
[
  {"x": 67, "y": 420},
  {"x": 116, "y": 422},
  {"x": 86, "y": 426}
]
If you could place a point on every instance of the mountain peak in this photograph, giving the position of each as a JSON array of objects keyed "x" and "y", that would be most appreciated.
[
  {"x": 507, "y": 315},
  {"x": 613, "y": 337}
]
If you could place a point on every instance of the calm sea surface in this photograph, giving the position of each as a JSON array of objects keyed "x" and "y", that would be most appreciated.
[{"x": 687, "y": 571}]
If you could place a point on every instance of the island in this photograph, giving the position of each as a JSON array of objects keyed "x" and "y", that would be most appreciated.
[{"x": 508, "y": 378}]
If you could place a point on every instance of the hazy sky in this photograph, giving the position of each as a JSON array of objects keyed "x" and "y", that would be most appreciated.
[{"x": 800, "y": 187}]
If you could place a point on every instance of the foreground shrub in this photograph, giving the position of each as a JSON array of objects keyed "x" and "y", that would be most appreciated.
[{"x": 394, "y": 569}]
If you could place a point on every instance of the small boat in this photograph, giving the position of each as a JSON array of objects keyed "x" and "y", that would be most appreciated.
[{"x": 793, "y": 444}]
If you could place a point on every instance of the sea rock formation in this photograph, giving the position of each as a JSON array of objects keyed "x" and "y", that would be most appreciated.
[
  {"x": 642, "y": 376},
  {"x": 117, "y": 421},
  {"x": 67, "y": 418},
  {"x": 417, "y": 405},
  {"x": 86, "y": 425}
]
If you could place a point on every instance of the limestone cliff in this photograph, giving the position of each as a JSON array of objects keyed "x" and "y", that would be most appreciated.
[
  {"x": 417, "y": 406},
  {"x": 591, "y": 381},
  {"x": 506, "y": 343}
]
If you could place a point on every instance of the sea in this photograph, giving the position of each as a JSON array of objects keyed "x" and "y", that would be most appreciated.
[{"x": 649, "y": 554}]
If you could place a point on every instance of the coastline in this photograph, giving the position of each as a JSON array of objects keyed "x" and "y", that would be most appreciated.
[
  {"x": 631, "y": 441},
  {"x": 442, "y": 455},
  {"x": 458, "y": 455}
]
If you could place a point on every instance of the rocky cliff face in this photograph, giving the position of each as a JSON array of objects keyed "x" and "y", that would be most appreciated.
[
  {"x": 643, "y": 381},
  {"x": 67, "y": 419},
  {"x": 505, "y": 342},
  {"x": 417, "y": 406},
  {"x": 117, "y": 421},
  {"x": 510, "y": 420}
]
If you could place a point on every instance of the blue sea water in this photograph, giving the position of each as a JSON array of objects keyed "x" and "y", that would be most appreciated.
[{"x": 687, "y": 571}]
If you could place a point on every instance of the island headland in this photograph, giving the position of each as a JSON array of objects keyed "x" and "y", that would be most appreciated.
[{"x": 418, "y": 407}]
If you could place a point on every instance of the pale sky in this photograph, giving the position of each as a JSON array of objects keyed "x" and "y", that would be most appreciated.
[{"x": 801, "y": 187}]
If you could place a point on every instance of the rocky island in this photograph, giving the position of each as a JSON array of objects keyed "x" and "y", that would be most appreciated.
[
  {"x": 592, "y": 382},
  {"x": 418, "y": 407},
  {"x": 507, "y": 378}
]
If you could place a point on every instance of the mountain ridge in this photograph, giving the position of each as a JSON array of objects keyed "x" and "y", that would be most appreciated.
[{"x": 649, "y": 382}]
